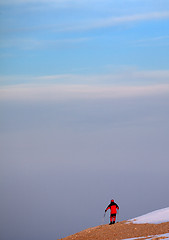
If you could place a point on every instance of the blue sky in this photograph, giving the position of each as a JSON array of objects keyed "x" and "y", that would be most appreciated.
[
  {"x": 84, "y": 99},
  {"x": 42, "y": 38}
]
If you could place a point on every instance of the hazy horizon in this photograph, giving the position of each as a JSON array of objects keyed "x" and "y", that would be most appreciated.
[{"x": 63, "y": 162}]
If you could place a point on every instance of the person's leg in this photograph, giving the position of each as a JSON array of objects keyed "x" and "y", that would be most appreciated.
[
  {"x": 114, "y": 218},
  {"x": 111, "y": 217}
]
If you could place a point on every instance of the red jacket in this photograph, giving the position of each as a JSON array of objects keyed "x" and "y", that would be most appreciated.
[{"x": 113, "y": 207}]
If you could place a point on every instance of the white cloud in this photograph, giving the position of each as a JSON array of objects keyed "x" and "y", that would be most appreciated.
[
  {"x": 128, "y": 75},
  {"x": 126, "y": 83},
  {"x": 119, "y": 77},
  {"x": 72, "y": 92},
  {"x": 55, "y": 2},
  {"x": 32, "y": 1},
  {"x": 32, "y": 43},
  {"x": 154, "y": 41},
  {"x": 114, "y": 21}
]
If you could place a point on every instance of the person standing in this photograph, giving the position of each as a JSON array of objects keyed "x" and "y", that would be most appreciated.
[{"x": 113, "y": 211}]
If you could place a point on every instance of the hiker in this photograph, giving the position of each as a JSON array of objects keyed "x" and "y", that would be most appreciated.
[{"x": 113, "y": 211}]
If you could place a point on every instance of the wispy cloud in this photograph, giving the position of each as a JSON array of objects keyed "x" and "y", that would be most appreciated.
[
  {"x": 56, "y": 3},
  {"x": 114, "y": 21},
  {"x": 129, "y": 83},
  {"x": 90, "y": 23},
  {"x": 133, "y": 18},
  {"x": 5, "y": 2},
  {"x": 128, "y": 76},
  {"x": 81, "y": 92},
  {"x": 35, "y": 43},
  {"x": 123, "y": 76},
  {"x": 154, "y": 41}
]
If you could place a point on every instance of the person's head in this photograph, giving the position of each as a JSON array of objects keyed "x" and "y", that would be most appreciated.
[{"x": 112, "y": 200}]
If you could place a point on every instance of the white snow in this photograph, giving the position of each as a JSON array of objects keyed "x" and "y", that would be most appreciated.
[
  {"x": 165, "y": 236},
  {"x": 158, "y": 216}
]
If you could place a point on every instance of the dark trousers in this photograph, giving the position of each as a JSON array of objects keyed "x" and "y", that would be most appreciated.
[{"x": 113, "y": 217}]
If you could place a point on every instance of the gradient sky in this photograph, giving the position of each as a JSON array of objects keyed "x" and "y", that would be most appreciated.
[{"x": 84, "y": 101}]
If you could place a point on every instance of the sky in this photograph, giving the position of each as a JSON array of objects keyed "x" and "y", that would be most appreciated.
[{"x": 84, "y": 104}]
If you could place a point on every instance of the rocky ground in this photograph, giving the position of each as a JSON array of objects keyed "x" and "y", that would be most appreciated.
[{"x": 121, "y": 230}]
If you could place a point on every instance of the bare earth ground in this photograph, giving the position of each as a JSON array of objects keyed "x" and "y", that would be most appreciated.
[{"x": 121, "y": 230}]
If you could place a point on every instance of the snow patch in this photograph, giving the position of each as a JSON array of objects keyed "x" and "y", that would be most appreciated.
[
  {"x": 156, "y": 217},
  {"x": 152, "y": 237}
]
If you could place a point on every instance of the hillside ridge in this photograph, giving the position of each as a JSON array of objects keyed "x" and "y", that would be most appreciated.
[
  {"x": 149, "y": 228},
  {"x": 121, "y": 230}
]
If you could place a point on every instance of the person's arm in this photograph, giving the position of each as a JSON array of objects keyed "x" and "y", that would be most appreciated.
[
  {"x": 107, "y": 208},
  {"x": 117, "y": 206}
]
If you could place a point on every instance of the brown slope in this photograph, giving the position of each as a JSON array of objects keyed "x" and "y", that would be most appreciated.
[{"x": 120, "y": 230}]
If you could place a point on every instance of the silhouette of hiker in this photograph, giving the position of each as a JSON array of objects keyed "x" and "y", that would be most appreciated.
[{"x": 113, "y": 211}]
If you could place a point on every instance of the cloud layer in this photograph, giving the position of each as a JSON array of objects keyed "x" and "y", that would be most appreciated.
[{"x": 67, "y": 92}]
